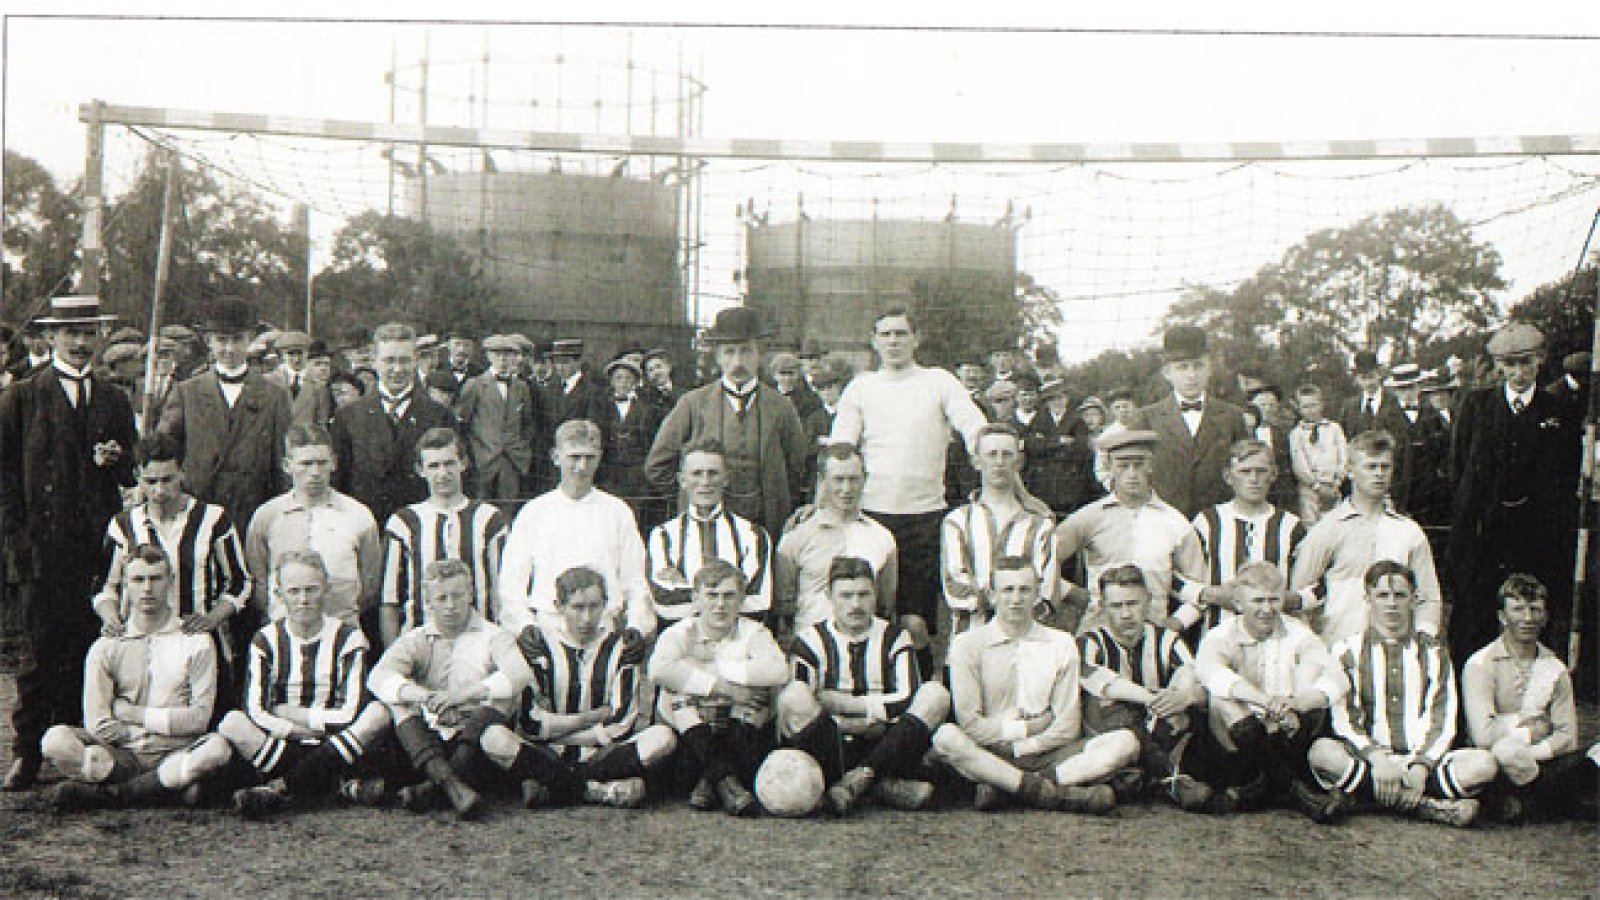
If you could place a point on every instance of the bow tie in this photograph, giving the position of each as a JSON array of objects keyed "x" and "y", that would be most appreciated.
[
  {"x": 64, "y": 375},
  {"x": 1190, "y": 405},
  {"x": 504, "y": 379},
  {"x": 232, "y": 379}
]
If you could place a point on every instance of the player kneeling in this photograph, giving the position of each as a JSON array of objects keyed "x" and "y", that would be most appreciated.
[
  {"x": 1015, "y": 688},
  {"x": 717, "y": 671},
  {"x": 147, "y": 695},
  {"x": 574, "y": 740},
  {"x": 1518, "y": 699},
  {"x": 307, "y": 723},
  {"x": 1396, "y": 725},
  {"x": 444, "y": 683},
  {"x": 858, "y": 705}
]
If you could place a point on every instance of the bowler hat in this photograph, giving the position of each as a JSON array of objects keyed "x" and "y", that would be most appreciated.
[
  {"x": 228, "y": 315},
  {"x": 1183, "y": 342},
  {"x": 734, "y": 325},
  {"x": 1365, "y": 361}
]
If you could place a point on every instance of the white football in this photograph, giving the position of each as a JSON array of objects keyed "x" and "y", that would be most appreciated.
[{"x": 789, "y": 783}]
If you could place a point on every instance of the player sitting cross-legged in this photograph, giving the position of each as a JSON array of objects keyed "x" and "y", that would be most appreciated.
[
  {"x": 857, "y": 703},
  {"x": 574, "y": 738},
  {"x": 717, "y": 671},
  {"x": 147, "y": 696},
  {"x": 1014, "y": 685},
  {"x": 307, "y": 722},
  {"x": 1395, "y": 728}
]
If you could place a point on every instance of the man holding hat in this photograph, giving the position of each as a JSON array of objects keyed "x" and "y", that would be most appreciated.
[
  {"x": 66, "y": 450},
  {"x": 229, "y": 421},
  {"x": 1513, "y": 505},
  {"x": 1194, "y": 430},
  {"x": 763, "y": 442},
  {"x": 503, "y": 419}
]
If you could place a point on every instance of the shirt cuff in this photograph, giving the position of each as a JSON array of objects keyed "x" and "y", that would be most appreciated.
[
  {"x": 1543, "y": 751},
  {"x": 499, "y": 686},
  {"x": 1013, "y": 730},
  {"x": 1189, "y": 594},
  {"x": 1025, "y": 747},
  {"x": 317, "y": 720},
  {"x": 158, "y": 720},
  {"x": 700, "y": 684},
  {"x": 282, "y": 729}
]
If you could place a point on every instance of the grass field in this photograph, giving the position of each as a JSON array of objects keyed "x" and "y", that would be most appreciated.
[{"x": 672, "y": 851}]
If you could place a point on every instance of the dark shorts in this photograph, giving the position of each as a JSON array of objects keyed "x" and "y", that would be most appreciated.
[{"x": 916, "y": 541}]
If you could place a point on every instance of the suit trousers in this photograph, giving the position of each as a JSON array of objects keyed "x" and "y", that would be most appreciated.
[{"x": 60, "y": 626}]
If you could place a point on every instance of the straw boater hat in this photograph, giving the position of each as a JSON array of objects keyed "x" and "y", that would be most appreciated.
[
  {"x": 75, "y": 309},
  {"x": 1404, "y": 375}
]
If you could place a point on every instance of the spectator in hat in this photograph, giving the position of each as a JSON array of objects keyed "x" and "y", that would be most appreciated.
[
  {"x": 188, "y": 360},
  {"x": 575, "y": 388},
  {"x": 309, "y": 399},
  {"x": 812, "y": 358},
  {"x": 1374, "y": 407},
  {"x": 230, "y": 421},
  {"x": 1195, "y": 430},
  {"x": 1059, "y": 460},
  {"x": 658, "y": 387},
  {"x": 66, "y": 451},
  {"x": 346, "y": 389},
  {"x": 1513, "y": 488},
  {"x": 124, "y": 367},
  {"x": 458, "y": 356},
  {"x": 1276, "y": 425},
  {"x": 504, "y": 421},
  {"x": 1439, "y": 391},
  {"x": 829, "y": 381},
  {"x": 428, "y": 349},
  {"x": 36, "y": 344},
  {"x": 541, "y": 368},
  {"x": 763, "y": 442},
  {"x": 1420, "y": 481},
  {"x": 628, "y": 426},
  {"x": 786, "y": 377},
  {"x": 1002, "y": 397}
]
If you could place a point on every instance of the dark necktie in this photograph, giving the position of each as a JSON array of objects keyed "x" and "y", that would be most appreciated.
[
  {"x": 1367, "y": 407},
  {"x": 80, "y": 393},
  {"x": 1517, "y": 406},
  {"x": 1187, "y": 406},
  {"x": 294, "y": 386}
]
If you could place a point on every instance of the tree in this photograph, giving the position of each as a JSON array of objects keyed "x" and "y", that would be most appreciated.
[
  {"x": 225, "y": 240},
  {"x": 1040, "y": 306},
  {"x": 391, "y": 268},
  {"x": 1564, "y": 311},
  {"x": 1398, "y": 282},
  {"x": 962, "y": 312},
  {"x": 42, "y": 228}
]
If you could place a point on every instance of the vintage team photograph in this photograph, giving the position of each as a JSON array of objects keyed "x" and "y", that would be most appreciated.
[{"x": 720, "y": 458}]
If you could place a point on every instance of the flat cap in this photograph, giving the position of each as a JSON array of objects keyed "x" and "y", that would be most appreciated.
[
  {"x": 293, "y": 340},
  {"x": 121, "y": 352},
  {"x": 427, "y": 342},
  {"x": 1405, "y": 375},
  {"x": 571, "y": 347},
  {"x": 177, "y": 333},
  {"x": 1518, "y": 337},
  {"x": 501, "y": 343},
  {"x": 1125, "y": 438}
]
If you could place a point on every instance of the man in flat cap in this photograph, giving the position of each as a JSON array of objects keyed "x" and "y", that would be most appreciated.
[
  {"x": 574, "y": 387},
  {"x": 309, "y": 398},
  {"x": 1514, "y": 505},
  {"x": 1195, "y": 429}
]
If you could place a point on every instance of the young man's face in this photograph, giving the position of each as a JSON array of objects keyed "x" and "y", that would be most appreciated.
[
  {"x": 855, "y": 601},
  {"x": 718, "y": 604},
  {"x": 1027, "y": 399},
  {"x": 1125, "y": 609},
  {"x": 460, "y": 352},
  {"x": 302, "y": 588},
  {"x": 148, "y": 586},
  {"x": 1004, "y": 405},
  {"x": 786, "y": 378},
  {"x": 1259, "y": 609},
  {"x": 228, "y": 349},
  {"x": 1123, "y": 410},
  {"x": 999, "y": 458},
  {"x": 161, "y": 481},
  {"x": 841, "y": 483},
  {"x": 658, "y": 371},
  {"x": 1268, "y": 403},
  {"x": 1013, "y": 595},
  {"x": 623, "y": 383},
  {"x": 583, "y": 612},
  {"x": 1371, "y": 474},
  {"x": 294, "y": 360},
  {"x": 704, "y": 478},
  {"x": 1393, "y": 602},
  {"x": 320, "y": 368},
  {"x": 504, "y": 362},
  {"x": 972, "y": 377},
  {"x": 894, "y": 340},
  {"x": 1251, "y": 477},
  {"x": 310, "y": 468},
  {"x": 1188, "y": 377},
  {"x": 1310, "y": 406},
  {"x": 448, "y": 603},
  {"x": 1130, "y": 474},
  {"x": 577, "y": 462},
  {"x": 1002, "y": 360},
  {"x": 441, "y": 468},
  {"x": 396, "y": 362},
  {"x": 1524, "y": 618}
]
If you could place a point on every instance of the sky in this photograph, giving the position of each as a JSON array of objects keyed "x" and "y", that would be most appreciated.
[{"x": 827, "y": 79}]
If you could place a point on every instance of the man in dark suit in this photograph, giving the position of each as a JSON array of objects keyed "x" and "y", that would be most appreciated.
[
  {"x": 1514, "y": 495},
  {"x": 1195, "y": 430},
  {"x": 459, "y": 359},
  {"x": 763, "y": 442},
  {"x": 628, "y": 426},
  {"x": 309, "y": 399},
  {"x": 1421, "y": 479},
  {"x": 1276, "y": 423},
  {"x": 229, "y": 421},
  {"x": 1059, "y": 467},
  {"x": 375, "y": 438},
  {"x": 66, "y": 450},
  {"x": 503, "y": 418},
  {"x": 573, "y": 389},
  {"x": 1374, "y": 407}
]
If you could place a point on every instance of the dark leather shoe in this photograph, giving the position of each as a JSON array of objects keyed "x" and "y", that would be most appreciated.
[{"x": 23, "y": 774}]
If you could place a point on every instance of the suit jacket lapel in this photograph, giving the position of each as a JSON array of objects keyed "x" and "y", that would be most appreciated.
[{"x": 1170, "y": 421}]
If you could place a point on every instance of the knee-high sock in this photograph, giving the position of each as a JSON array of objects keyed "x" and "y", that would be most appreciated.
[
  {"x": 820, "y": 740},
  {"x": 421, "y": 743},
  {"x": 901, "y": 748},
  {"x": 540, "y": 763},
  {"x": 708, "y": 750},
  {"x": 622, "y": 762},
  {"x": 316, "y": 773}
]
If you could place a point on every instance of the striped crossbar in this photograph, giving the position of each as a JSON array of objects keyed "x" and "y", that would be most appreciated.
[{"x": 839, "y": 151}]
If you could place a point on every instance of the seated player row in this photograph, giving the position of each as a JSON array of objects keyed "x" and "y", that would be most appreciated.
[{"x": 1264, "y": 711}]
